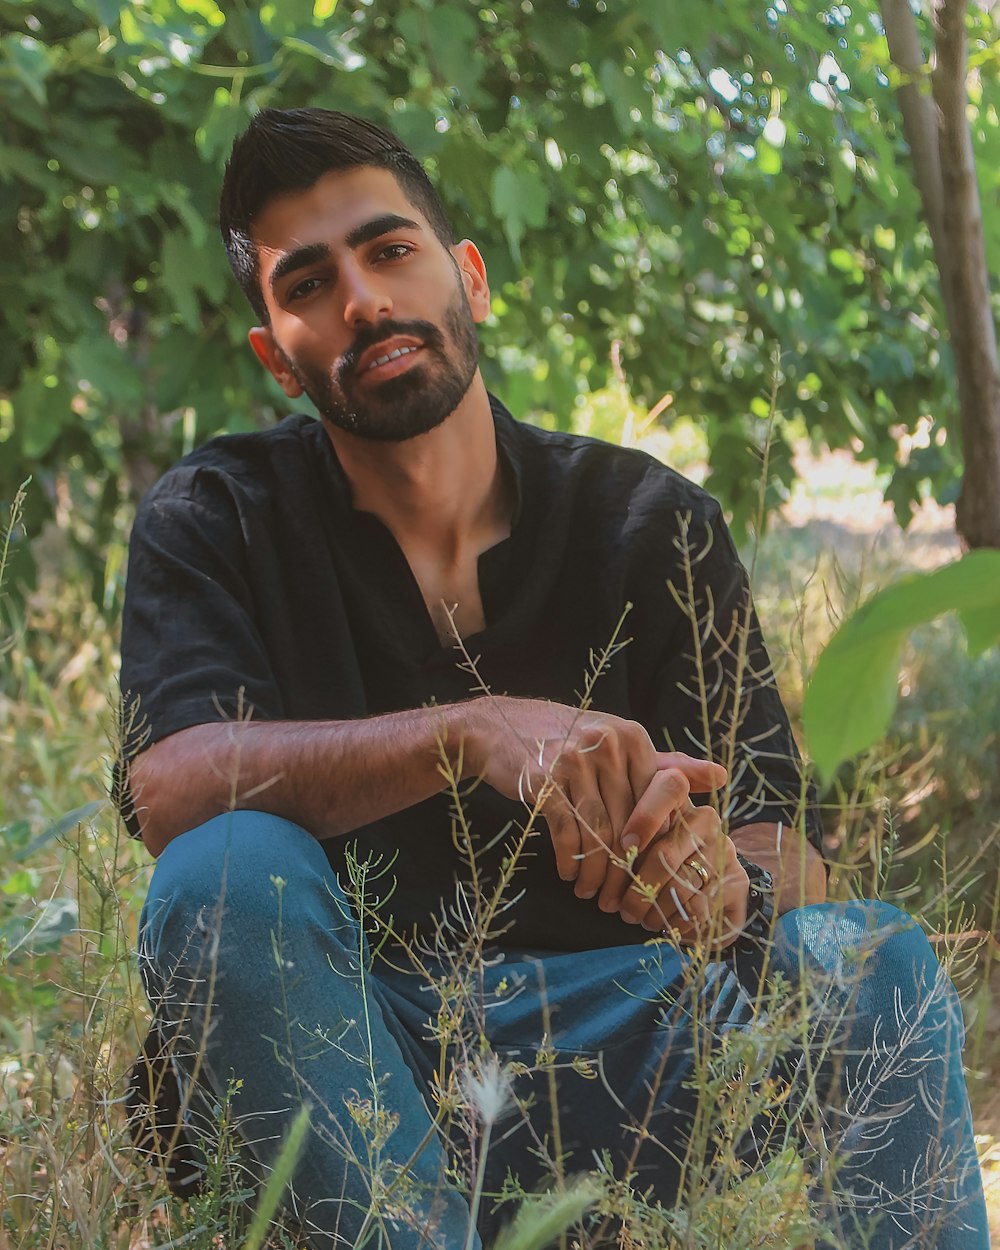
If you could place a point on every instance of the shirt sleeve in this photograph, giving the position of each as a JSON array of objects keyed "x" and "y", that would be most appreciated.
[
  {"x": 716, "y": 694},
  {"x": 191, "y": 651}
]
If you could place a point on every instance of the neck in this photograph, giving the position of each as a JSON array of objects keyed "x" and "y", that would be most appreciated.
[{"x": 442, "y": 491}]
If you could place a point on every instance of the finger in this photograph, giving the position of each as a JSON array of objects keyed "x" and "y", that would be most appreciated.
[
  {"x": 665, "y": 795},
  {"x": 641, "y": 772},
  {"x": 658, "y": 871},
  {"x": 685, "y": 900},
  {"x": 597, "y": 834},
  {"x": 620, "y": 872},
  {"x": 564, "y": 833},
  {"x": 687, "y": 904},
  {"x": 677, "y": 866},
  {"x": 632, "y": 864},
  {"x": 726, "y": 913},
  {"x": 618, "y": 801},
  {"x": 702, "y": 775},
  {"x": 702, "y": 828}
]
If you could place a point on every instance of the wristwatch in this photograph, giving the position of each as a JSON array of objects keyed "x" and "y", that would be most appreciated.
[{"x": 760, "y": 907}]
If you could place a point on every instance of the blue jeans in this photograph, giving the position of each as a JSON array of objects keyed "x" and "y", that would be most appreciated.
[{"x": 253, "y": 958}]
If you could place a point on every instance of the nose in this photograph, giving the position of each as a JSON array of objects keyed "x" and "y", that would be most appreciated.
[{"x": 366, "y": 299}]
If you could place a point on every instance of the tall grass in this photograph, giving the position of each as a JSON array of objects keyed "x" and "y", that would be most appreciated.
[{"x": 912, "y": 823}]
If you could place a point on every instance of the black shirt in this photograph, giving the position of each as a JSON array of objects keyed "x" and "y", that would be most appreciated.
[{"x": 256, "y": 589}]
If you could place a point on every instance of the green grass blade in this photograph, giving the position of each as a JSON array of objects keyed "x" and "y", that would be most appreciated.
[
  {"x": 540, "y": 1221},
  {"x": 277, "y": 1182}
]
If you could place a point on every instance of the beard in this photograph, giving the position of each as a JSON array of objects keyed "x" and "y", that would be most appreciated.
[{"x": 412, "y": 403}]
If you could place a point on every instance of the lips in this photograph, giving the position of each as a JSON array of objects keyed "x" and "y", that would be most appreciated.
[
  {"x": 381, "y": 354},
  {"x": 382, "y": 360}
]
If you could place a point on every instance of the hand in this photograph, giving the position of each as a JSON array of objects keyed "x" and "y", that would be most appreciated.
[
  {"x": 585, "y": 771},
  {"x": 668, "y": 893}
]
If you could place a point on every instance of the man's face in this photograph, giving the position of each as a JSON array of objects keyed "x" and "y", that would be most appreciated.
[{"x": 371, "y": 315}]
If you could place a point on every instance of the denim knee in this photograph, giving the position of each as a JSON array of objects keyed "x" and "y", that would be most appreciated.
[
  {"x": 877, "y": 957},
  {"x": 239, "y": 879},
  {"x": 237, "y": 852}
]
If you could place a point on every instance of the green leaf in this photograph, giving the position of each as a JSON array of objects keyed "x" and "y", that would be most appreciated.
[
  {"x": 327, "y": 47},
  {"x": 41, "y": 411},
  {"x": 51, "y": 921},
  {"x": 18, "y": 831},
  {"x": 447, "y": 34},
  {"x": 21, "y": 881},
  {"x": 207, "y": 9},
  {"x": 180, "y": 273},
  {"x": 101, "y": 366},
  {"x": 103, "y": 11},
  {"x": 19, "y": 163},
  {"x": 852, "y": 695},
  {"x": 286, "y": 17},
  {"x": 520, "y": 199},
  {"x": 560, "y": 38},
  {"x": 129, "y": 28},
  {"x": 982, "y": 628},
  {"x": 31, "y": 62},
  {"x": 850, "y": 699},
  {"x": 625, "y": 94},
  {"x": 62, "y": 826},
  {"x": 223, "y": 122},
  {"x": 97, "y": 161}
]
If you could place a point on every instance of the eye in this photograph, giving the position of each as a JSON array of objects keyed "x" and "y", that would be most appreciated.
[
  {"x": 394, "y": 251},
  {"x": 304, "y": 288}
]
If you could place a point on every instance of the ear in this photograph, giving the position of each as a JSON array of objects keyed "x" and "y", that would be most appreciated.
[
  {"x": 473, "y": 270},
  {"x": 274, "y": 360}
]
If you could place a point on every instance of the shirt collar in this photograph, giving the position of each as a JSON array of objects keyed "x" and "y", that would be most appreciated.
[{"x": 511, "y": 454}]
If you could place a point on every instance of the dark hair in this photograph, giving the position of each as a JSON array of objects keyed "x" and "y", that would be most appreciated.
[{"x": 287, "y": 150}]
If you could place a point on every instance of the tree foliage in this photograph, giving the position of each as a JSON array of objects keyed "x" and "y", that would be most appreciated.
[{"x": 698, "y": 181}]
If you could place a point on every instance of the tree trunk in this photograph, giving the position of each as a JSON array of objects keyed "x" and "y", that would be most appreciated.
[
  {"x": 973, "y": 333},
  {"x": 937, "y": 130},
  {"x": 920, "y": 125}
]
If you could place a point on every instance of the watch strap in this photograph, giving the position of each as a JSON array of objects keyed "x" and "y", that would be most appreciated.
[{"x": 760, "y": 903}]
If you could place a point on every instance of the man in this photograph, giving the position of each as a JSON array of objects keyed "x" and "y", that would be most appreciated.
[{"x": 423, "y": 667}]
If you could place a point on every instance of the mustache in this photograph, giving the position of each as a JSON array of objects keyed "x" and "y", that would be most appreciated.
[{"x": 371, "y": 336}]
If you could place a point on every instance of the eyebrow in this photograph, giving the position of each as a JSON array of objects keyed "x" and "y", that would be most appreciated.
[
  {"x": 297, "y": 258},
  {"x": 310, "y": 253},
  {"x": 378, "y": 226}
]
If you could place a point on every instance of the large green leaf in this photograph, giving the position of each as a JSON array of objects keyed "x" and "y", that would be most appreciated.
[{"x": 850, "y": 699}]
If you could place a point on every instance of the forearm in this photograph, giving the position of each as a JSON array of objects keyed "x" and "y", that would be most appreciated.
[
  {"x": 328, "y": 776},
  {"x": 794, "y": 864}
]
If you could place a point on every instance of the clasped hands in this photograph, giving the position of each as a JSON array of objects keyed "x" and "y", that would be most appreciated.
[{"x": 620, "y": 817}]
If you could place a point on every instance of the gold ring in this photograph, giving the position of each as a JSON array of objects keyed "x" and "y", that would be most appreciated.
[{"x": 695, "y": 861}]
